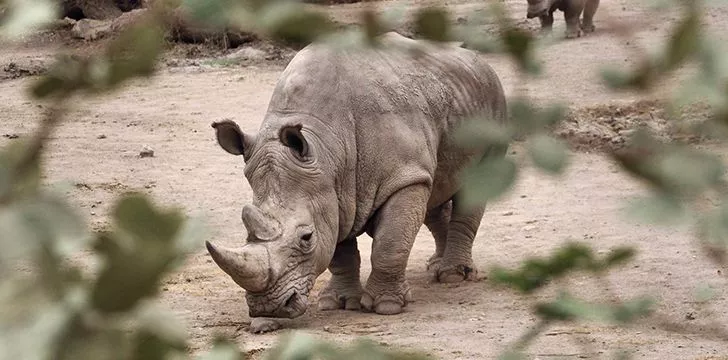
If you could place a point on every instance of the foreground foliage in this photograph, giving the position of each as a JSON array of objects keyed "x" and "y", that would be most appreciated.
[{"x": 55, "y": 309}]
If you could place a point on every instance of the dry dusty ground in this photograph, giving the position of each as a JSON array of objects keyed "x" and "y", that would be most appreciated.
[{"x": 172, "y": 114}]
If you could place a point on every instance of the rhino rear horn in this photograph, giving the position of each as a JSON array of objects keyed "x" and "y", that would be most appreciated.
[
  {"x": 259, "y": 226},
  {"x": 248, "y": 266}
]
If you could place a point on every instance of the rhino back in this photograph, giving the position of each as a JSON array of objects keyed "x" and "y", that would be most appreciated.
[{"x": 395, "y": 112}]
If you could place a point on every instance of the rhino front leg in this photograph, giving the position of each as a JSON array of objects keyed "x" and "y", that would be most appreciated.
[
  {"x": 572, "y": 13},
  {"x": 590, "y": 8},
  {"x": 457, "y": 260},
  {"x": 437, "y": 221},
  {"x": 547, "y": 22},
  {"x": 344, "y": 289},
  {"x": 394, "y": 229}
]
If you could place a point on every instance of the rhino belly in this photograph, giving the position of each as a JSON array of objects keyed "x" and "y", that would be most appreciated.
[{"x": 447, "y": 175}]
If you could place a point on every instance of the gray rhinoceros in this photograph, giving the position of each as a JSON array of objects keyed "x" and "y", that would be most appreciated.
[
  {"x": 544, "y": 10},
  {"x": 355, "y": 141}
]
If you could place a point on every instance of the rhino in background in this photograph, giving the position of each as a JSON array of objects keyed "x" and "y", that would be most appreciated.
[
  {"x": 544, "y": 10},
  {"x": 355, "y": 141}
]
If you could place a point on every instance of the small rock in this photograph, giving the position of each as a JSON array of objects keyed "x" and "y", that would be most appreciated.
[
  {"x": 528, "y": 228},
  {"x": 90, "y": 29},
  {"x": 690, "y": 316},
  {"x": 507, "y": 213},
  {"x": 11, "y": 136},
  {"x": 146, "y": 152},
  {"x": 102, "y": 136},
  {"x": 327, "y": 328}
]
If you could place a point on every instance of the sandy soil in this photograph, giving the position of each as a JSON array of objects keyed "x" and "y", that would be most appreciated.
[{"x": 97, "y": 150}]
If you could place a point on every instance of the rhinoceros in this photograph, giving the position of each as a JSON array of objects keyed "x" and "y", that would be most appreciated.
[
  {"x": 544, "y": 10},
  {"x": 359, "y": 141}
]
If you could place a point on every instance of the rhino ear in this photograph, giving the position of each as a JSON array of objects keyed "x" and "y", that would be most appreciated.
[
  {"x": 291, "y": 136},
  {"x": 231, "y": 138}
]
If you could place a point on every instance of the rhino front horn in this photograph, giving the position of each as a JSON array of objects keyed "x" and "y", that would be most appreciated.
[
  {"x": 248, "y": 266},
  {"x": 259, "y": 226}
]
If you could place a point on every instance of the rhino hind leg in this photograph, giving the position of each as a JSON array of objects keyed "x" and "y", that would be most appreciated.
[
  {"x": 457, "y": 260},
  {"x": 437, "y": 221},
  {"x": 590, "y": 8},
  {"x": 344, "y": 289},
  {"x": 393, "y": 229}
]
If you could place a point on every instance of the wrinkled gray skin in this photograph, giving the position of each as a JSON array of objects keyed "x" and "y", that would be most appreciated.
[
  {"x": 544, "y": 10},
  {"x": 358, "y": 141}
]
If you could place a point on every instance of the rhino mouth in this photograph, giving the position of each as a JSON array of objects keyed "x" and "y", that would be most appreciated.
[{"x": 294, "y": 305}]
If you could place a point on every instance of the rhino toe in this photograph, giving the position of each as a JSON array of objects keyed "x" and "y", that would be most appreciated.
[
  {"x": 329, "y": 302},
  {"x": 385, "y": 304}
]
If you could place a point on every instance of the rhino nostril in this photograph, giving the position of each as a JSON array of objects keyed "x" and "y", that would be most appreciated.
[
  {"x": 291, "y": 299},
  {"x": 307, "y": 236}
]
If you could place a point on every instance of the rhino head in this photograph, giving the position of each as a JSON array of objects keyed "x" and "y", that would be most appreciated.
[{"x": 292, "y": 224}]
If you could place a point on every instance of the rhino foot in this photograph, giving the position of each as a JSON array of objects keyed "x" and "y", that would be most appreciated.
[
  {"x": 445, "y": 273},
  {"x": 261, "y": 325},
  {"x": 456, "y": 273},
  {"x": 332, "y": 300},
  {"x": 573, "y": 33},
  {"x": 588, "y": 28},
  {"x": 386, "y": 303}
]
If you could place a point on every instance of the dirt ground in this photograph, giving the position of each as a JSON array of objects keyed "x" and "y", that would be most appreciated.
[{"x": 98, "y": 152}]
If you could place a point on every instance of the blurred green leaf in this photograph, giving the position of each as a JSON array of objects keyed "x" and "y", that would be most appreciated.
[
  {"x": 158, "y": 322},
  {"x": 211, "y": 12},
  {"x": 529, "y": 120},
  {"x": 135, "y": 215},
  {"x": 479, "y": 132},
  {"x": 24, "y": 16},
  {"x": 690, "y": 170},
  {"x": 223, "y": 349},
  {"x": 672, "y": 169},
  {"x": 373, "y": 27},
  {"x": 684, "y": 40},
  {"x": 704, "y": 293},
  {"x": 641, "y": 78},
  {"x": 295, "y": 346},
  {"x": 619, "y": 256},
  {"x": 19, "y": 169},
  {"x": 552, "y": 115},
  {"x": 519, "y": 44},
  {"x": 534, "y": 273},
  {"x": 92, "y": 344},
  {"x": 132, "y": 54},
  {"x": 548, "y": 153},
  {"x": 656, "y": 209},
  {"x": 486, "y": 181},
  {"x": 30, "y": 324},
  {"x": 291, "y": 22},
  {"x": 150, "y": 346},
  {"x": 569, "y": 308},
  {"x": 433, "y": 23},
  {"x": 137, "y": 255},
  {"x": 39, "y": 222},
  {"x": 712, "y": 230}
]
